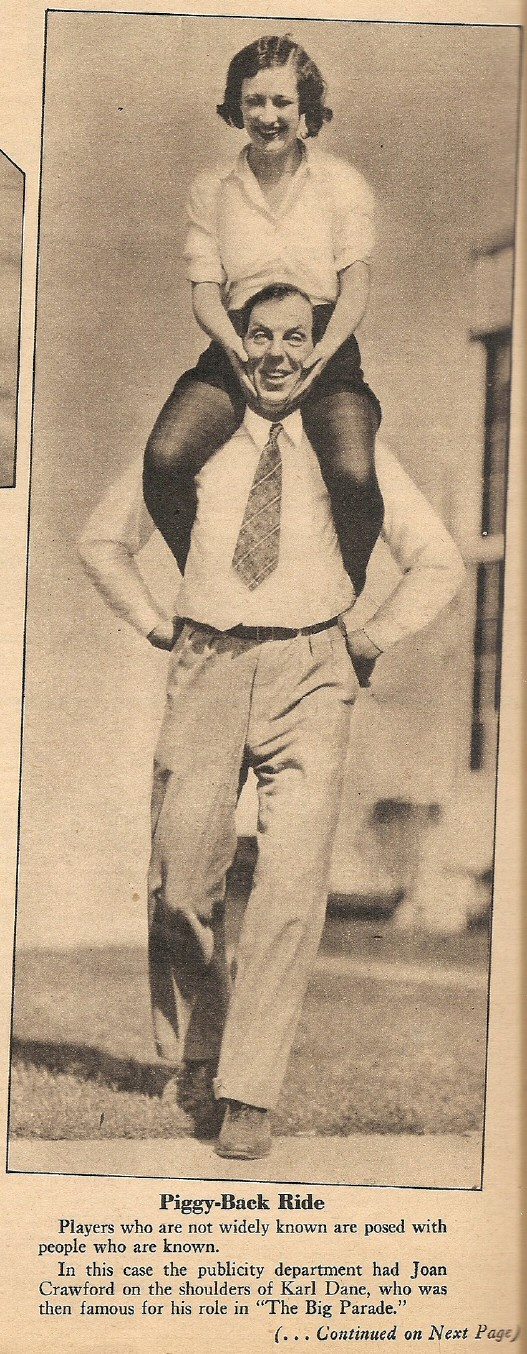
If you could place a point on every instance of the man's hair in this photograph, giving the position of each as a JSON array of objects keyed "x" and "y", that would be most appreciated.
[
  {"x": 276, "y": 51},
  {"x": 275, "y": 291}
]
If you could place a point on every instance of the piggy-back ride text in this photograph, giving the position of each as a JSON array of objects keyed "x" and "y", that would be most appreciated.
[{"x": 217, "y": 1256}]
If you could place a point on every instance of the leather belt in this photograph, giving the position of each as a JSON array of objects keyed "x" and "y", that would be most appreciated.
[{"x": 261, "y": 633}]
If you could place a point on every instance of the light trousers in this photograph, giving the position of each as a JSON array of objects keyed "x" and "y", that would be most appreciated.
[{"x": 283, "y": 708}]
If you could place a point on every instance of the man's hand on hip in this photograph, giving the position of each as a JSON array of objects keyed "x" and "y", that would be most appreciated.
[
  {"x": 359, "y": 646},
  {"x": 362, "y": 651},
  {"x": 164, "y": 635}
]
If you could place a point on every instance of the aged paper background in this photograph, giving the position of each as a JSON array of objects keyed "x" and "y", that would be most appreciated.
[{"x": 481, "y": 1246}]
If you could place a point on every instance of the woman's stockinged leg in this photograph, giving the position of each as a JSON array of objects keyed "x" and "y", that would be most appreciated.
[
  {"x": 341, "y": 427},
  {"x": 196, "y": 419}
]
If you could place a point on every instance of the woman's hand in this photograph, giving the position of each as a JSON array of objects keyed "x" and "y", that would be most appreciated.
[
  {"x": 312, "y": 367},
  {"x": 238, "y": 359},
  {"x": 354, "y": 282},
  {"x": 213, "y": 319}
]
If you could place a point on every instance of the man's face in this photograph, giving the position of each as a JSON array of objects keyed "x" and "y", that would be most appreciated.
[{"x": 278, "y": 339}]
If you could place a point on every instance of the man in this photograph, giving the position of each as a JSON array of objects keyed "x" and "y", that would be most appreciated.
[{"x": 260, "y": 676}]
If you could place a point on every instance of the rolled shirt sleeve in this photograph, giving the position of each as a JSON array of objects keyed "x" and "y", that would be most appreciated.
[
  {"x": 201, "y": 249},
  {"x": 353, "y": 226}
]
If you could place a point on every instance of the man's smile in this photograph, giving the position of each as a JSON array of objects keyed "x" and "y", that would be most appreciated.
[{"x": 276, "y": 376}]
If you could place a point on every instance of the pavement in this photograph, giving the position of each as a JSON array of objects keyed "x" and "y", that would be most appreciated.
[{"x": 439, "y": 1161}]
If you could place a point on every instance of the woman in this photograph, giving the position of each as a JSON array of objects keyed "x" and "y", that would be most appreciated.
[{"x": 280, "y": 213}]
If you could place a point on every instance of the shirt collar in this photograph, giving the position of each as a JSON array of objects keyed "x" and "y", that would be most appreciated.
[
  {"x": 241, "y": 168},
  {"x": 241, "y": 164},
  {"x": 258, "y": 427}
]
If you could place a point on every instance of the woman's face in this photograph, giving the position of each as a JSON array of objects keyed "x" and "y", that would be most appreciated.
[{"x": 271, "y": 117}]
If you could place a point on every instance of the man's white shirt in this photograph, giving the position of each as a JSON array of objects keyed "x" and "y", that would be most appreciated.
[{"x": 310, "y": 583}]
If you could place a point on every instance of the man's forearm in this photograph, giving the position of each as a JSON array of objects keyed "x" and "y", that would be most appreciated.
[
  {"x": 116, "y": 576},
  {"x": 415, "y": 603},
  {"x": 422, "y": 593},
  {"x": 431, "y": 567}
]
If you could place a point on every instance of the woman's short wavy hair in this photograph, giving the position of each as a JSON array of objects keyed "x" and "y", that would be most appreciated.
[{"x": 276, "y": 51}]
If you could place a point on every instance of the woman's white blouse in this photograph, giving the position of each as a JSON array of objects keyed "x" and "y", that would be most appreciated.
[{"x": 324, "y": 224}]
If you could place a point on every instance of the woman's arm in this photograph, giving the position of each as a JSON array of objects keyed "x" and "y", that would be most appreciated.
[
  {"x": 354, "y": 283},
  {"x": 347, "y": 315},
  {"x": 212, "y": 317}
]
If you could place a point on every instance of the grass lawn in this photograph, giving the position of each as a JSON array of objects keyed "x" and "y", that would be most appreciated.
[{"x": 371, "y": 1054}]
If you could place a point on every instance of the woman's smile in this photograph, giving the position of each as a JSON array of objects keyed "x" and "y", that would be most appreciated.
[{"x": 270, "y": 110}]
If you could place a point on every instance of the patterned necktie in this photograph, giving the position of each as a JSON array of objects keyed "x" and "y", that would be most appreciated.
[{"x": 256, "y": 553}]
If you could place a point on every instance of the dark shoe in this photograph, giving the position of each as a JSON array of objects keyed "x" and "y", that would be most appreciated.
[
  {"x": 195, "y": 1096},
  {"x": 245, "y": 1132}
]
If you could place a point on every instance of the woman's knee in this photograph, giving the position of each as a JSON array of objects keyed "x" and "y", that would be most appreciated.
[
  {"x": 342, "y": 428},
  {"x": 163, "y": 451},
  {"x": 173, "y": 437},
  {"x": 352, "y": 431},
  {"x": 194, "y": 422}
]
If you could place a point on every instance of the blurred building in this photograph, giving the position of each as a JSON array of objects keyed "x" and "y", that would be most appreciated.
[
  {"x": 427, "y": 839},
  {"x": 485, "y": 545}
]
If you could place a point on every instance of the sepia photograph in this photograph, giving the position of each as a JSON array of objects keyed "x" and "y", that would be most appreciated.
[{"x": 267, "y": 563}]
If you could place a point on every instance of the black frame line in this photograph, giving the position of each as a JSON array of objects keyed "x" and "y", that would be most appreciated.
[
  {"x": 285, "y": 18},
  {"x": 297, "y": 19},
  {"x": 245, "y": 1180}
]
